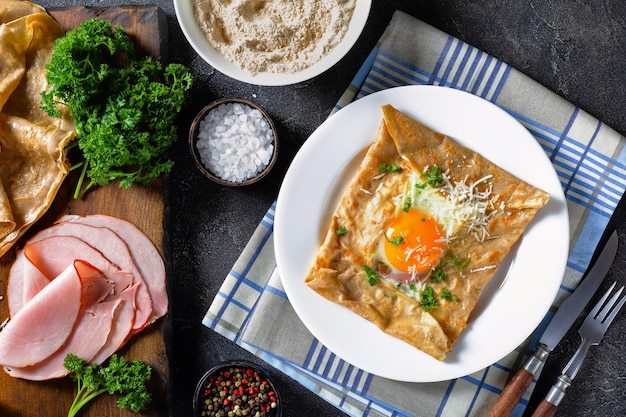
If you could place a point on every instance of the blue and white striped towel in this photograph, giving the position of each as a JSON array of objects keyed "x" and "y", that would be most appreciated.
[{"x": 252, "y": 309}]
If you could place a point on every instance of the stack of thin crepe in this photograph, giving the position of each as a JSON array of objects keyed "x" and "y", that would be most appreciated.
[{"x": 32, "y": 159}]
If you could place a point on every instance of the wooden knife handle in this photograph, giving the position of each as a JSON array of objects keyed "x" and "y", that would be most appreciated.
[
  {"x": 545, "y": 409},
  {"x": 511, "y": 394}
]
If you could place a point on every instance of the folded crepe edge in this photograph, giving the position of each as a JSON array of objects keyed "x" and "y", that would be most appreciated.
[{"x": 18, "y": 16}]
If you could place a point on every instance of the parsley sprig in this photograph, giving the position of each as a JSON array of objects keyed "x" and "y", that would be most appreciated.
[
  {"x": 123, "y": 106},
  {"x": 128, "y": 379}
]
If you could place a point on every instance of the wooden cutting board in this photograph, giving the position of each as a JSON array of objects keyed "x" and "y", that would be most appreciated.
[{"x": 143, "y": 206}]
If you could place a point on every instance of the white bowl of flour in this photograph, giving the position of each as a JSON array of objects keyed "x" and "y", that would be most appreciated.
[{"x": 272, "y": 42}]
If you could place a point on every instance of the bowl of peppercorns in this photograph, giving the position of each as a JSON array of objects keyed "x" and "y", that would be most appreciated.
[{"x": 233, "y": 389}]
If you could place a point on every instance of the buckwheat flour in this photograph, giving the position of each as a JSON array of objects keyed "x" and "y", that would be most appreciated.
[{"x": 278, "y": 36}]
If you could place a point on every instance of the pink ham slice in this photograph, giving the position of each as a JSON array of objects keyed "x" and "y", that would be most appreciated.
[
  {"x": 52, "y": 254},
  {"x": 44, "y": 325},
  {"x": 26, "y": 283},
  {"x": 121, "y": 326},
  {"x": 115, "y": 250},
  {"x": 101, "y": 329},
  {"x": 89, "y": 335},
  {"x": 145, "y": 254}
]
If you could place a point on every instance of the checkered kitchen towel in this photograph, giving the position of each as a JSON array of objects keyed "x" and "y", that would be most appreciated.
[{"x": 252, "y": 309}]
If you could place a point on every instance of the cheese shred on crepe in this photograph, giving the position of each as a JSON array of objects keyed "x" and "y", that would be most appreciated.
[
  {"x": 32, "y": 158},
  {"x": 492, "y": 208}
]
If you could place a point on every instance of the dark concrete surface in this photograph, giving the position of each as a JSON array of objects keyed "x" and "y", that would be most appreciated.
[{"x": 575, "y": 48}]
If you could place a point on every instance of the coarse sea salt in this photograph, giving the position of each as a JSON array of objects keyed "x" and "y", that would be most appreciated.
[{"x": 235, "y": 141}]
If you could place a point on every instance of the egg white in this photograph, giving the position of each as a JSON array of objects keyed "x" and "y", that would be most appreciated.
[{"x": 432, "y": 203}]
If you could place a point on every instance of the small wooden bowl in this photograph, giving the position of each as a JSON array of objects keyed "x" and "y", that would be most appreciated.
[
  {"x": 205, "y": 392},
  {"x": 193, "y": 137}
]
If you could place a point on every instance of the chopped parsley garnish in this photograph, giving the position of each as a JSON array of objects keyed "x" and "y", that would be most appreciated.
[
  {"x": 447, "y": 295},
  {"x": 428, "y": 300},
  {"x": 458, "y": 263},
  {"x": 389, "y": 168},
  {"x": 341, "y": 230},
  {"x": 407, "y": 205},
  {"x": 439, "y": 274},
  {"x": 372, "y": 276},
  {"x": 395, "y": 240},
  {"x": 433, "y": 177}
]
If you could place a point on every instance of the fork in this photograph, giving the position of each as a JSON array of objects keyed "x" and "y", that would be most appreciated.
[{"x": 591, "y": 332}]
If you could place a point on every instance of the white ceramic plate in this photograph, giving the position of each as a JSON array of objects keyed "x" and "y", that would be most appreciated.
[
  {"x": 513, "y": 303},
  {"x": 199, "y": 42}
]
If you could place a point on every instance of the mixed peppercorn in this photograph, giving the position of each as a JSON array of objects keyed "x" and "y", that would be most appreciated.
[{"x": 238, "y": 390}]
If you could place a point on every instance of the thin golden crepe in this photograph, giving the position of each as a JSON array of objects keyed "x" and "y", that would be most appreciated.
[
  {"x": 32, "y": 160},
  {"x": 368, "y": 203}
]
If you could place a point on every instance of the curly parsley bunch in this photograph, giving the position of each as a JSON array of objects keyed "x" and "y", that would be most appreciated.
[{"x": 123, "y": 107}]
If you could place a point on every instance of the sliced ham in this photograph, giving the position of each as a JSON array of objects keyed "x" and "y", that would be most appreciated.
[
  {"x": 45, "y": 323},
  {"x": 145, "y": 254},
  {"x": 121, "y": 326},
  {"x": 113, "y": 248},
  {"x": 91, "y": 332},
  {"x": 52, "y": 255},
  {"x": 85, "y": 286},
  {"x": 34, "y": 282},
  {"x": 25, "y": 281}
]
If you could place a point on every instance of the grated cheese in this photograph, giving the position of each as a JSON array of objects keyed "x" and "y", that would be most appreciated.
[
  {"x": 464, "y": 203},
  {"x": 484, "y": 268},
  {"x": 470, "y": 206}
]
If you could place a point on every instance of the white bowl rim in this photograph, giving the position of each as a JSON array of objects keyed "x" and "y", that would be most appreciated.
[{"x": 199, "y": 42}]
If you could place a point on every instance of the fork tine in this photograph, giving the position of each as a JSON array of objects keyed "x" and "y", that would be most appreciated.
[
  {"x": 601, "y": 316},
  {"x": 594, "y": 313},
  {"x": 606, "y": 321}
]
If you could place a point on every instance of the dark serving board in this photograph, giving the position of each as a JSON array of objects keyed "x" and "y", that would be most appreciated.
[{"x": 143, "y": 206}]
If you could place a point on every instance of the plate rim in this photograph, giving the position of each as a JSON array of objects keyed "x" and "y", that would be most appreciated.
[{"x": 558, "y": 199}]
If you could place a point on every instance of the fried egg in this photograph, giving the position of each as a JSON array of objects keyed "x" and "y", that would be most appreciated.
[{"x": 414, "y": 241}]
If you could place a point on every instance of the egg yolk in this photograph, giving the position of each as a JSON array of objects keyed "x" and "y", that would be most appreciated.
[{"x": 413, "y": 242}]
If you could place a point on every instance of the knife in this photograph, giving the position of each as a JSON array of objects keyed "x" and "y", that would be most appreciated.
[{"x": 565, "y": 316}]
